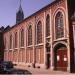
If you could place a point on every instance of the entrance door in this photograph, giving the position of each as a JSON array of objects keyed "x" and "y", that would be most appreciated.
[
  {"x": 48, "y": 61},
  {"x": 61, "y": 60}
]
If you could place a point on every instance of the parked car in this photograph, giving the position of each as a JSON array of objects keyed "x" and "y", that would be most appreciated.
[
  {"x": 19, "y": 71},
  {"x": 6, "y": 67}
]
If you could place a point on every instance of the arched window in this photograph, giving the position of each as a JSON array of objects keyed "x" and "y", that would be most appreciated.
[
  {"x": 10, "y": 41},
  {"x": 39, "y": 32},
  {"x": 22, "y": 38},
  {"x": 16, "y": 40},
  {"x": 30, "y": 35},
  {"x": 48, "y": 26},
  {"x": 59, "y": 25}
]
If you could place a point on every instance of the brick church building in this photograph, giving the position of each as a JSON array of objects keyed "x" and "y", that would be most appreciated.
[{"x": 44, "y": 39}]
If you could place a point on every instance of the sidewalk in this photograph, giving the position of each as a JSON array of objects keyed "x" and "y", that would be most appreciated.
[{"x": 42, "y": 71}]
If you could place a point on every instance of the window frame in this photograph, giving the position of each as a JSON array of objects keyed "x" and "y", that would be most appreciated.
[
  {"x": 21, "y": 38},
  {"x": 62, "y": 12},
  {"x": 41, "y": 33},
  {"x": 47, "y": 19},
  {"x": 29, "y": 45},
  {"x": 16, "y": 40},
  {"x": 11, "y": 42}
]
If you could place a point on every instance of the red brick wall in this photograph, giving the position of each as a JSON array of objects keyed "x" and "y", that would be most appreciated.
[
  {"x": 40, "y": 54},
  {"x": 10, "y": 55},
  {"x": 31, "y": 56},
  {"x": 23, "y": 55},
  {"x": 37, "y": 55},
  {"x": 5, "y": 55},
  {"x": 20, "y": 56},
  {"x": 27, "y": 56},
  {"x": 15, "y": 55}
]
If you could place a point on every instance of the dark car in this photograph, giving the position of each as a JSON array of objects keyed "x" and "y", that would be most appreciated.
[
  {"x": 19, "y": 71},
  {"x": 6, "y": 67}
]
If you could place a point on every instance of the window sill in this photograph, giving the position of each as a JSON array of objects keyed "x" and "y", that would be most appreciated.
[
  {"x": 48, "y": 37},
  {"x": 30, "y": 46},
  {"x": 39, "y": 44},
  {"x": 60, "y": 39},
  {"x": 22, "y": 47},
  {"x": 15, "y": 48},
  {"x": 10, "y": 49}
]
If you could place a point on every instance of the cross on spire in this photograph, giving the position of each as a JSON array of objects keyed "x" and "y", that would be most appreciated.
[{"x": 20, "y": 2}]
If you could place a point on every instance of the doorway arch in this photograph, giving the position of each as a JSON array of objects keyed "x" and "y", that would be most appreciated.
[{"x": 60, "y": 57}]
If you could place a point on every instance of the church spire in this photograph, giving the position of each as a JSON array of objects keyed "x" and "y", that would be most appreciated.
[
  {"x": 19, "y": 14},
  {"x": 20, "y": 7}
]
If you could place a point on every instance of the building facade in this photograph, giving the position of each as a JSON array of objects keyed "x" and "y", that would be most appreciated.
[{"x": 40, "y": 40}]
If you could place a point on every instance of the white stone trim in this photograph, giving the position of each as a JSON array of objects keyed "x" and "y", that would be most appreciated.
[
  {"x": 25, "y": 43},
  {"x": 30, "y": 46},
  {"x": 39, "y": 44},
  {"x": 59, "y": 39},
  {"x": 16, "y": 48},
  {"x": 11, "y": 49},
  {"x": 22, "y": 47},
  {"x": 62, "y": 42},
  {"x": 44, "y": 37},
  {"x": 34, "y": 37},
  {"x": 51, "y": 42},
  {"x": 68, "y": 43}
]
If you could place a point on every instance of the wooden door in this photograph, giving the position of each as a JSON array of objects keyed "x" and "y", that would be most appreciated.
[{"x": 61, "y": 63}]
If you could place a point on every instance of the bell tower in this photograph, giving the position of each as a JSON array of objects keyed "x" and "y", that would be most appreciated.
[{"x": 19, "y": 14}]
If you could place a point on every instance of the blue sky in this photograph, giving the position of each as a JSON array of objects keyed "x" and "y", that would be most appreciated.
[{"x": 8, "y": 9}]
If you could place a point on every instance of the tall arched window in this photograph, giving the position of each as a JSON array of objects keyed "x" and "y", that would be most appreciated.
[
  {"x": 39, "y": 32},
  {"x": 11, "y": 42},
  {"x": 16, "y": 40},
  {"x": 22, "y": 38},
  {"x": 48, "y": 26},
  {"x": 59, "y": 25},
  {"x": 30, "y": 35}
]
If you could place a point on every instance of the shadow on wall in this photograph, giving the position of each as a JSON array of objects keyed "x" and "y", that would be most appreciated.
[{"x": 1, "y": 44}]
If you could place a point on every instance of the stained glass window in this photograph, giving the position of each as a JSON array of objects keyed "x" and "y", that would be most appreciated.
[
  {"x": 47, "y": 26},
  {"x": 16, "y": 40},
  {"x": 30, "y": 35},
  {"x": 22, "y": 38},
  {"x": 10, "y": 41},
  {"x": 59, "y": 25},
  {"x": 39, "y": 32}
]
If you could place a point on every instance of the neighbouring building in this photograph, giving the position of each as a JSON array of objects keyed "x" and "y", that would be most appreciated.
[{"x": 41, "y": 40}]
